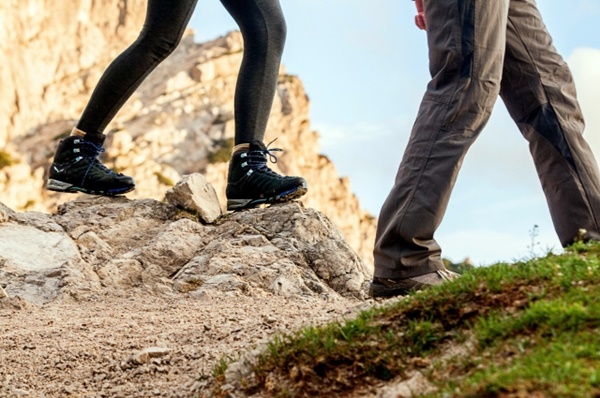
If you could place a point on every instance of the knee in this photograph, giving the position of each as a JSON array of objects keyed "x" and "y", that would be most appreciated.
[
  {"x": 269, "y": 34},
  {"x": 278, "y": 33},
  {"x": 160, "y": 46}
]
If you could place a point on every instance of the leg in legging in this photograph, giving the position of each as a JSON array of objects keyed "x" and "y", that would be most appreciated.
[
  {"x": 165, "y": 23},
  {"x": 263, "y": 27},
  {"x": 250, "y": 182},
  {"x": 75, "y": 167}
]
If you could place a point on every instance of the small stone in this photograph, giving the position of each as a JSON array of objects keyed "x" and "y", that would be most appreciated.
[
  {"x": 145, "y": 355},
  {"x": 195, "y": 194}
]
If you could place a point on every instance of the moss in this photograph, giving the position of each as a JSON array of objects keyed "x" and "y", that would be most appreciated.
[
  {"x": 222, "y": 152},
  {"x": 6, "y": 159},
  {"x": 163, "y": 179}
]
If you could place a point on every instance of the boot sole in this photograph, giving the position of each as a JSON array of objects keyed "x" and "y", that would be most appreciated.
[
  {"x": 286, "y": 196},
  {"x": 65, "y": 187},
  {"x": 377, "y": 290}
]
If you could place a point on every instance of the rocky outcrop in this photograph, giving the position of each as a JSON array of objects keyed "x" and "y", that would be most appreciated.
[
  {"x": 53, "y": 52},
  {"x": 179, "y": 122},
  {"x": 117, "y": 244}
]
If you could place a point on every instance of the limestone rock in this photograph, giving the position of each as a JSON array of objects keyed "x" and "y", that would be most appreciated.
[
  {"x": 195, "y": 194},
  {"x": 96, "y": 244},
  {"x": 145, "y": 355},
  {"x": 5, "y": 213},
  {"x": 415, "y": 385},
  {"x": 37, "y": 259},
  {"x": 286, "y": 249}
]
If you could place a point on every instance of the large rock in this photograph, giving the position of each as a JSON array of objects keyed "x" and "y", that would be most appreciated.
[
  {"x": 286, "y": 249},
  {"x": 38, "y": 259},
  {"x": 96, "y": 244}
]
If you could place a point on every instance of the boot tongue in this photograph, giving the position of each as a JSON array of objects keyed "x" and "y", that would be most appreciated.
[
  {"x": 257, "y": 146},
  {"x": 96, "y": 139}
]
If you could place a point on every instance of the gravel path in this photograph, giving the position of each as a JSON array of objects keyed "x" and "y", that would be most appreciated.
[{"x": 140, "y": 345}]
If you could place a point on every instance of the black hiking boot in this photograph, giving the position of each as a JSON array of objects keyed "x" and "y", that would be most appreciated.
[
  {"x": 76, "y": 168},
  {"x": 251, "y": 183}
]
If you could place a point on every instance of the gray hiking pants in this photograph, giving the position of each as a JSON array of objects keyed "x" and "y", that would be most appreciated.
[{"x": 479, "y": 49}]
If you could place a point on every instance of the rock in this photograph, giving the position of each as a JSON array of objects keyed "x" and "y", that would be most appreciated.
[
  {"x": 415, "y": 386},
  {"x": 2, "y": 293},
  {"x": 285, "y": 249},
  {"x": 144, "y": 356},
  {"x": 30, "y": 249},
  {"x": 96, "y": 243},
  {"x": 195, "y": 194},
  {"x": 5, "y": 213},
  {"x": 37, "y": 259}
]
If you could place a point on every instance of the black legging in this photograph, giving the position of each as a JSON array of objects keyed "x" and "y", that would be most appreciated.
[{"x": 263, "y": 28}]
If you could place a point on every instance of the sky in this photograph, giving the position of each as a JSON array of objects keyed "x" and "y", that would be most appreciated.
[{"x": 364, "y": 67}]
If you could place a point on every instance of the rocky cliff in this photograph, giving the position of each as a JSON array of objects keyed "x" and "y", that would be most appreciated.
[{"x": 179, "y": 122}]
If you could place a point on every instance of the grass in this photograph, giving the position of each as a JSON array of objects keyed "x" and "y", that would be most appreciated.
[{"x": 529, "y": 329}]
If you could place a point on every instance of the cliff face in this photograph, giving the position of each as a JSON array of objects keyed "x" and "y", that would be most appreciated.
[
  {"x": 179, "y": 122},
  {"x": 51, "y": 55}
]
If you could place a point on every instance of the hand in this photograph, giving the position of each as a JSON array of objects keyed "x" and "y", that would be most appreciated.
[{"x": 420, "y": 17}]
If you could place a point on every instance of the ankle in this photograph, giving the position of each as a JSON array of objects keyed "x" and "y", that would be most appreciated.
[
  {"x": 245, "y": 147},
  {"x": 95, "y": 138}
]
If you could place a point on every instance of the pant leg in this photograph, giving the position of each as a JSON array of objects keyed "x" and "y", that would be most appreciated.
[
  {"x": 466, "y": 40},
  {"x": 264, "y": 30},
  {"x": 163, "y": 29},
  {"x": 539, "y": 92}
]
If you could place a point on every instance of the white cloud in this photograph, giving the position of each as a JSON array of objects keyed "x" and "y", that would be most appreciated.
[{"x": 369, "y": 154}]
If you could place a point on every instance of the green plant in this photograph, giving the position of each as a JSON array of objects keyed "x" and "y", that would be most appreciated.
[{"x": 532, "y": 329}]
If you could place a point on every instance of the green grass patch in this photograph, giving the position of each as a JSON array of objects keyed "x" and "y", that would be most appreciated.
[{"x": 532, "y": 330}]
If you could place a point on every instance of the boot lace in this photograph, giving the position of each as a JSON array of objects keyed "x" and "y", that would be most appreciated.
[
  {"x": 92, "y": 150},
  {"x": 257, "y": 159}
]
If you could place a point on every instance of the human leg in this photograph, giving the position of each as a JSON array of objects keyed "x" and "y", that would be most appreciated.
[
  {"x": 538, "y": 90},
  {"x": 250, "y": 181},
  {"x": 75, "y": 167},
  {"x": 166, "y": 20},
  {"x": 466, "y": 47}
]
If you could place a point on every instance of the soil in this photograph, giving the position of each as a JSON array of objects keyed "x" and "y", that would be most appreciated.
[{"x": 139, "y": 344}]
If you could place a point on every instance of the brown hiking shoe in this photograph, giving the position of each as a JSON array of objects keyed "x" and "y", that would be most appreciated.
[{"x": 385, "y": 287}]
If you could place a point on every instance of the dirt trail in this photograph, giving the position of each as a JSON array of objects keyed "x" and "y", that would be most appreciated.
[{"x": 95, "y": 347}]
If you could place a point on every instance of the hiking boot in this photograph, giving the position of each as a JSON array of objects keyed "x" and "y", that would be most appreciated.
[
  {"x": 251, "y": 183},
  {"x": 384, "y": 287},
  {"x": 76, "y": 168}
]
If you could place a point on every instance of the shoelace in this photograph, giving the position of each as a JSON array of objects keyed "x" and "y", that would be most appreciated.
[
  {"x": 257, "y": 159},
  {"x": 92, "y": 150}
]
